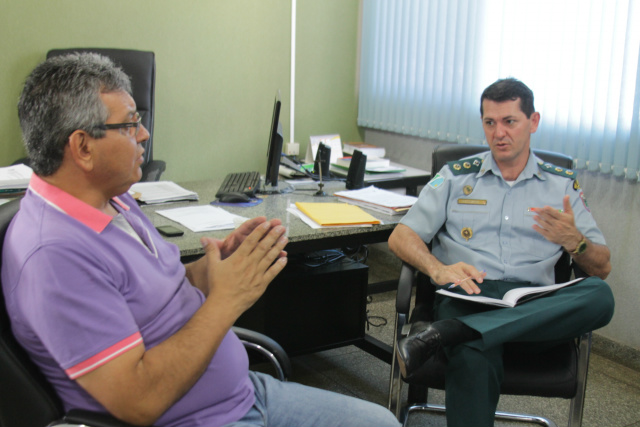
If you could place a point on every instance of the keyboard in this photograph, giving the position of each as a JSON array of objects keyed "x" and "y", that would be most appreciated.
[{"x": 240, "y": 182}]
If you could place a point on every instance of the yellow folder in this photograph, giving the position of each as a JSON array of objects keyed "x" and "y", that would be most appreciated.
[{"x": 336, "y": 214}]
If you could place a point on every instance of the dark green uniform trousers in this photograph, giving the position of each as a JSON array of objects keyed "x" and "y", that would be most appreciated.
[{"x": 475, "y": 370}]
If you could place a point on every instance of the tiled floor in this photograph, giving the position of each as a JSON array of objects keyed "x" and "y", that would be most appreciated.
[{"x": 612, "y": 398}]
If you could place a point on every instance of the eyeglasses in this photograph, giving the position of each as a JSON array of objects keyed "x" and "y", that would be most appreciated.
[{"x": 132, "y": 127}]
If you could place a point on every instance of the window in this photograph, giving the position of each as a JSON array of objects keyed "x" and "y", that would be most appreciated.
[{"x": 425, "y": 63}]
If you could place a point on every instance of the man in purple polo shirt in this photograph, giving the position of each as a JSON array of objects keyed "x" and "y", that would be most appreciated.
[{"x": 102, "y": 303}]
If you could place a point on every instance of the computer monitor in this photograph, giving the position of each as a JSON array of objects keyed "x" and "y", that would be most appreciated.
[{"x": 274, "y": 152}]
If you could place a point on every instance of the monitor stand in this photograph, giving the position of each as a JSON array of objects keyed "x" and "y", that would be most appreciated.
[{"x": 320, "y": 191}]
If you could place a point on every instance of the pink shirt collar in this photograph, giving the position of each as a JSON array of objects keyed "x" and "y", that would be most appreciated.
[{"x": 75, "y": 208}]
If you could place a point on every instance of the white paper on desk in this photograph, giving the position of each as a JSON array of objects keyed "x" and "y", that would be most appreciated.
[
  {"x": 15, "y": 177},
  {"x": 296, "y": 182},
  {"x": 203, "y": 218},
  {"x": 311, "y": 223},
  {"x": 378, "y": 196},
  {"x": 162, "y": 191}
]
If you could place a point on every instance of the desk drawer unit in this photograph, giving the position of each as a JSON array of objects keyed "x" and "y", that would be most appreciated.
[{"x": 311, "y": 309}]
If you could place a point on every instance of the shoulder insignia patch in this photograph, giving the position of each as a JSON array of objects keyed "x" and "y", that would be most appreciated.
[
  {"x": 557, "y": 170},
  {"x": 461, "y": 167},
  {"x": 436, "y": 181}
]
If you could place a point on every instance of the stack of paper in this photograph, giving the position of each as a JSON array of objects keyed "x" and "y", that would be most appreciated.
[
  {"x": 384, "y": 170},
  {"x": 336, "y": 214},
  {"x": 375, "y": 165},
  {"x": 14, "y": 179},
  {"x": 203, "y": 218},
  {"x": 372, "y": 162},
  {"x": 380, "y": 173},
  {"x": 379, "y": 200},
  {"x": 161, "y": 192},
  {"x": 367, "y": 149}
]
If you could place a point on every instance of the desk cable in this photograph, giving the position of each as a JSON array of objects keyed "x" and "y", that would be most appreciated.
[{"x": 375, "y": 321}]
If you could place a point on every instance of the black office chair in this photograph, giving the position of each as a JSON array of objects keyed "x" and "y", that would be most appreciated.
[
  {"x": 140, "y": 66},
  {"x": 27, "y": 399},
  {"x": 557, "y": 372}
]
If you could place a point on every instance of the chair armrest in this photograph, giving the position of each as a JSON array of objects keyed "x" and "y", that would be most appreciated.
[
  {"x": 251, "y": 339},
  {"x": 153, "y": 170},
  {"x": 406, "y": 283},
  {"x": 268, "y": 348},
  {"x": 577, "y": 271}
]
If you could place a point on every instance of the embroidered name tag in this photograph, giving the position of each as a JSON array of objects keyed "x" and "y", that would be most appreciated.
[{"x": 472, "y": 202}]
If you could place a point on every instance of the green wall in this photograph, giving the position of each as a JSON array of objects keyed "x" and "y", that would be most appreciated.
[{"x": 219, "y": 64}]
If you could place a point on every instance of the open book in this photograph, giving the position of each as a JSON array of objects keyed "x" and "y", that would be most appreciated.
[{"x": 514, "y": 296}]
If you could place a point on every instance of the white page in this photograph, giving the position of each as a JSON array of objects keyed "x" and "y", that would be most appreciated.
[
  {"x": 378, "y": 196},
  {"x": 296, "y": 182},
  {"x": 332, "y": 141},
  {"x": 515, "y": 294},
  {"x": 475, "y": 298},
  {"x": 510, "y": 298},
  {"x": 378, "y": 208},
  {"x": 203, "y": 218},
  {"x": 16, "y": 176},
  {"x": 383, "y": 169},
  {"x": 161, "y": 191}
]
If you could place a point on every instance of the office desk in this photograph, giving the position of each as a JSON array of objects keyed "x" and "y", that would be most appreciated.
[{"x": 302, "y": 239}]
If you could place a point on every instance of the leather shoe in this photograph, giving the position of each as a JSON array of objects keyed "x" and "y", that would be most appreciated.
[{"x": 414, "y": 350}]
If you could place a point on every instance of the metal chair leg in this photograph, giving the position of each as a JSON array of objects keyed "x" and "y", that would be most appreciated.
[
  {"x": 577, "y": 403},
  {"x": 395, "y": 382}
]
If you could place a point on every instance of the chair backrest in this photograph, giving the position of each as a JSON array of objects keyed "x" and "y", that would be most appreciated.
[
  {"x": 26, "y": 398},
  {"x": 140, "y": 66},
  {"x": 450, "y": 152}
]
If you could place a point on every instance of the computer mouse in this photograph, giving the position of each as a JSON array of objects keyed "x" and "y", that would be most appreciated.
[{"x": 234, "y": 198}]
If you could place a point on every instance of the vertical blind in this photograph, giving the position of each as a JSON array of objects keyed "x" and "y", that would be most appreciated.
[{"x": 425, "y": 63}]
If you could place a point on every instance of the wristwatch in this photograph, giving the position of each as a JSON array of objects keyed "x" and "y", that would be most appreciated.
[{"x": 581, "y": 248}]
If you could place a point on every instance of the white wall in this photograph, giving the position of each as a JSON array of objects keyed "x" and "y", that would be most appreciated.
[{"x": 615, "y": 204}]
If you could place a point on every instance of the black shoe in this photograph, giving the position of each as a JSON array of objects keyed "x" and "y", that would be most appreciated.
[{"x": 414, "y": 350}]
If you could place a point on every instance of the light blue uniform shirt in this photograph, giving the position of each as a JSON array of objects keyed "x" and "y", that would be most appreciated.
[{"x": 478, "y": 218}]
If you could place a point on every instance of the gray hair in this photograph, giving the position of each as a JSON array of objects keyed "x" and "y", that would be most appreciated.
[{"x": 60, "y": 96}]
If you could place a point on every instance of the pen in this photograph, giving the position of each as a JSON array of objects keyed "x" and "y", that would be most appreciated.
[{"x": 453, "y": 285}]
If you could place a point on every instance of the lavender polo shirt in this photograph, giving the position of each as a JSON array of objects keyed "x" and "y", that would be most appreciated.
[{"x": 80, "y": 291}]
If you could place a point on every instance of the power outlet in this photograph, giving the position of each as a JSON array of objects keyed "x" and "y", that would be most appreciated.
[{"x": 292, "y": 149}]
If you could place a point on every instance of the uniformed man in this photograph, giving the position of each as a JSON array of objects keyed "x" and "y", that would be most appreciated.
[{"x": 499, "y": 221}]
